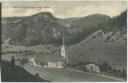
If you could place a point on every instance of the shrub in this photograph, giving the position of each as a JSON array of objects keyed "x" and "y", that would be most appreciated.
[{"x": 105, "y": 67}]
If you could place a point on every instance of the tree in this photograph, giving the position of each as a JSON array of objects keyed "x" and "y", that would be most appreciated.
[
  {"x": 124, "y": 73},
  {"x": 105, "y": 67}
]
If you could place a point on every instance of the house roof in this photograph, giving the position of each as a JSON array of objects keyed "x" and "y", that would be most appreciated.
[
  {"x": 50, "y": 57},
  {"x": 54, "y": 58},
  {"x": 98, "y": 63}
]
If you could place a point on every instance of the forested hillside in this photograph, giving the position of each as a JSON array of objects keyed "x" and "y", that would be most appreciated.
[
  {"x": 107, "y": 44},
  {"x": 44, "y": 28}
]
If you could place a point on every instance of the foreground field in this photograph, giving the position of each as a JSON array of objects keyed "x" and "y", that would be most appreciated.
[
  {"x": 63, "y": 75},
  {"x": 12, "y": 73},
  {"x": 67, "y": 75}
]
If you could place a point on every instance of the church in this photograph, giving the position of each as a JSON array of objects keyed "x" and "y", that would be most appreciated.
[{"x": 61, "y": 62}]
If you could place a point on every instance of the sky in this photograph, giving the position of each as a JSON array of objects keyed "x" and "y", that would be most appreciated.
[{"x": 63, "y": 9}]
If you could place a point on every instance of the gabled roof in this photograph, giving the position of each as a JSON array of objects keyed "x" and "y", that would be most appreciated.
[
  {"x": 54, "y": 58},
  {"x": 98, "y": 63},
  {"x": 50, "y": 57},
  {"x": 91, "y": 63}
]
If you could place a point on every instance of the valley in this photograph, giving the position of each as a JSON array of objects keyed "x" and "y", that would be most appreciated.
[{"x": 41, "y": 37}]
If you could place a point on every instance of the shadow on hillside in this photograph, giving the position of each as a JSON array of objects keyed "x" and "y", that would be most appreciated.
[{"x": 10, "y": 73}]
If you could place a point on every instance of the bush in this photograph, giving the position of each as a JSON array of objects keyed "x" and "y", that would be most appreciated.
[{"x": 105, "y": 67}]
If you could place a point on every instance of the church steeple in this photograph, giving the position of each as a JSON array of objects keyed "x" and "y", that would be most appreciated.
[
  {"x": 63, "y": 41},
  {"x": 64, "y": 52},
  {"x": 63, "y": 49}
]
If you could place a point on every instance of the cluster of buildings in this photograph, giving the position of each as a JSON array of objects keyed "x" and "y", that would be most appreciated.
[
  {"x": 61, "y": 60},
  {"x": 61, "y": 63}
]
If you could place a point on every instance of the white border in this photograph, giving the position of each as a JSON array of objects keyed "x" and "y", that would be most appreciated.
[
  {"x": 74, "y": 0},
  {"x": 63, "y": 0}
]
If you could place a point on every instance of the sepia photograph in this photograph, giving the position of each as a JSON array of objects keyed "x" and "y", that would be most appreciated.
[{"x": 63, "y": 41}]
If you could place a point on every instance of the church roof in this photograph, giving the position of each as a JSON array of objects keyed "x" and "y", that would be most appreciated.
[
  {"x": 51, "y": 57},
  {"x": 55, "y": 58}
]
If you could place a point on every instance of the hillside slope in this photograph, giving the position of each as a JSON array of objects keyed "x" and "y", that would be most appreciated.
[
  {"x": 99, "y": 48},
  {"x": 108, "y": 44}
]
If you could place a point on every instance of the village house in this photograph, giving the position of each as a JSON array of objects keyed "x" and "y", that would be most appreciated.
[
  {"x": 92, "y": 67},
  {"x": 97, "y": 66},
  {"x": 58, "y": 64}
]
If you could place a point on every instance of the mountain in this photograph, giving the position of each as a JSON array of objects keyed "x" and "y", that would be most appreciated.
[
  {"x": 44, "y": 28},
  {"x": 89, "y": 21},
  {"x": 108, "y": 44},
  {"x": 36, "y": 29}
]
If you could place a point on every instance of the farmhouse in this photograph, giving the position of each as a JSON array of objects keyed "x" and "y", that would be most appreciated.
[
  {"x": 97, "y": 66},
  {"x": 92, "y": 67}
]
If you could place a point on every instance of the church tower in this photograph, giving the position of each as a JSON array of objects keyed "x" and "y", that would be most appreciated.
[
  {"x": 63, "y": 49},
  {"x": 64, "y": 52}
]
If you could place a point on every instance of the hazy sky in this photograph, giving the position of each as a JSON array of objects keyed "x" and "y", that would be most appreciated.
[{"x": 63, "y": 9}]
